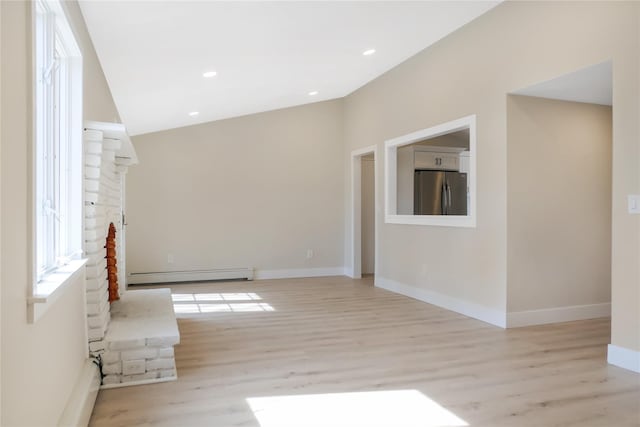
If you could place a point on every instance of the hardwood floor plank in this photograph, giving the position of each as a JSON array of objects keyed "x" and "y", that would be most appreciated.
[{"x": 337, "y": 335}]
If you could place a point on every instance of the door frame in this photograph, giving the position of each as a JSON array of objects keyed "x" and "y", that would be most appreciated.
[{"x": 355, "y": 260}]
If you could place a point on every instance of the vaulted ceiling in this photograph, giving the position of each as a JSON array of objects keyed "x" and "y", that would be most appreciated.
[{"x": 265, "y": 55}]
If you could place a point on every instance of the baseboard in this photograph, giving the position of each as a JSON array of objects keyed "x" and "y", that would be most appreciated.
[
  {"x": 348, "y": 271},
  {"x": 476, "y": 311},
  {"x": 141, "y": 382},
  {"x": 298, "y": 273},
  {"x": 78, "y": 410},
  {"x": 623, "y": 358},
  {"x": 516, "y": 319},
  {"x": 190, "y": 276}
]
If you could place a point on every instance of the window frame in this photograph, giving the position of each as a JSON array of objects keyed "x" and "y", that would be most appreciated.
[
  {"x": 391, "y": 176},
  {"x": 57, "y": 157}
]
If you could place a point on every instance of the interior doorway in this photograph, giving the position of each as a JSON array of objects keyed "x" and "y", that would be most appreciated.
[
  {"x": 363, "y": 213},
  {"x": 559, "y": 151},
  {"x": 367, "y": 214}
]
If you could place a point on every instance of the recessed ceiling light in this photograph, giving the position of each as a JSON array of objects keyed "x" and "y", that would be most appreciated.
[
  {"x": 194, "y": 113},
  {"x": 313, "y": 92},
  {"x": 209, "y": 74},
  {"x": 369, "y": 52}
]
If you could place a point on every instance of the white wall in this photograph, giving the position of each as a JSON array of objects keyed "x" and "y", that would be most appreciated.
[
  {"x": 255, "y": 191},
  {"x": 559, "y": 203},
  {"x": 40, "y": 362},
  {"x": 471, "y": 72},
  {"x": 368, "y": 214}
]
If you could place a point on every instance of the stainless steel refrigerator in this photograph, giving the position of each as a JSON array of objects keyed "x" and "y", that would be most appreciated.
[{"x": 437, "y": 192}]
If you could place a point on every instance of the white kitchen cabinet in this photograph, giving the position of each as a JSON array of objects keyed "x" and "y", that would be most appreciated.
[
  {"x": 436, "y": 160},
  {"x": 465, "y": 162}
]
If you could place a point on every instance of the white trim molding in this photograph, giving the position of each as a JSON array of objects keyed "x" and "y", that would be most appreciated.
[
  {"x": 297, "y": 273},
  {"x": 78, "y": 410},
  {"x": 516, "y": 319},
  {"x": 53, "y": 287},
  {"x": 190, "y": 275},
  {"x": 623, "y": 358},
  {"x": 231, "y": 274},
  {"x": 467, "y": 308},
  {"x": 364, "y": 151},
  {"x": 391, "y": 215},
  {"x": 139, "y": 382},
  {"x": 354, "y": 267}
]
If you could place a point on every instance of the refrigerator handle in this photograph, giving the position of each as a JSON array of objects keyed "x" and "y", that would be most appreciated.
[
  {"x": 448, "y": 198},
  {"x": 443, "y": 199}
]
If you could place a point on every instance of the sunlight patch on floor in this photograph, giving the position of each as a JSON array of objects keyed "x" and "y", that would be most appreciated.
[
  {"x": 397, "y": 408},
  {"x": 218, "y": 303},
  {"x": 243, "y": 296}
]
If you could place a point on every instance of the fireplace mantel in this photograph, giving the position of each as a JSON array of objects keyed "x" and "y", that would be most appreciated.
[{"x": 125, "y": 153}]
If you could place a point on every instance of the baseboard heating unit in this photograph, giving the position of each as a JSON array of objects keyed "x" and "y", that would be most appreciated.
[{"x": 190, "y": 276}]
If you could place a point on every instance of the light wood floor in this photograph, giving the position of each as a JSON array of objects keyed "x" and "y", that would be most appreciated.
[{"x": 337, "y": 335}]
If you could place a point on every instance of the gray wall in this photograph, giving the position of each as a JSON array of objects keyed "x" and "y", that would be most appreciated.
[
  {"x": 368, "y": 215},
  {"x": 559, "y": 203},
  {"x": 255, "y": 191},
  {"x": 471, "y": 72}
]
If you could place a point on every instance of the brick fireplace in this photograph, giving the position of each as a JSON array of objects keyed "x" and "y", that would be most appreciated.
[
  {"x": 133, "y": 336},
  {"x": 103, "y": 205}
]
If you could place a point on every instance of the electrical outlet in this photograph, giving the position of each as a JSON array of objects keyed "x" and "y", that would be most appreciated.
[
  {"x": 309, "y": 253},
  {"x": 634, "y": 203},
  {"x": 170, "y": 258}
]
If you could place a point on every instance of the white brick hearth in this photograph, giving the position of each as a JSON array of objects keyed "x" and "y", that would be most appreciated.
[{"x": 140, "y": 338}]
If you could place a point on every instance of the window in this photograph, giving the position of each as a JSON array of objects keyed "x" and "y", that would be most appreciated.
[
  {"x": 430, "y": 176},
  {"x": 58, "y": 140}
]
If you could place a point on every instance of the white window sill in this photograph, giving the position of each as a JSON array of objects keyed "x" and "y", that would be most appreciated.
[
  {"x": 54, "y": 285},
  {"x": 437, "y": 220}
]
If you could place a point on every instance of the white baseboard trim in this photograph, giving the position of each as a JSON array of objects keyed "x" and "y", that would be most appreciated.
[
  {"x": 476, "y": 311},
  {"x": 348, "y": 271},
  {"x": 623, "y": 358},
  {"x": 298, "y": 273},
  {"x": 516, "y": 319},
  {"x": 78, "y": 410},
  {"x": 190, "y": 275},
  {"x": 141, "y": 382}
]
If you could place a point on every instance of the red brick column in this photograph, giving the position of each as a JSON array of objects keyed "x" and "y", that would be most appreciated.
[{"x": 112, "y": 268}]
